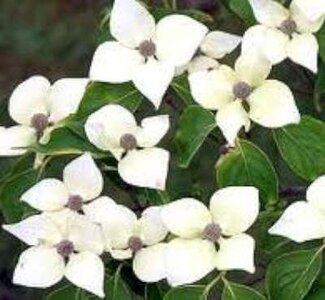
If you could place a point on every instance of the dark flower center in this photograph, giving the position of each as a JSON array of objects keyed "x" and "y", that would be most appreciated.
[
  {"x": 128, "y": 142},
  {"x": 75, "y": 202},
  {"x": 242, "y": 90},
  {"x": 147, "y": 48},
  {"x": 65, "y": 248},
  {"x": 212, "y": 232},
  {"x": 135, "y": 244},
  {"x": 40, "y": 122},
  {"x": 288, "y": 26}
]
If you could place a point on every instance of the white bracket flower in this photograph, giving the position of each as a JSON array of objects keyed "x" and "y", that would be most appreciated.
[
  {"x": 244, "y": 94},
  {"x": 145, "y": 53},
  {"x": 126, "y": 236},
  {"x": 82, "y": 182},
  {"x": 313, "y": 10},
  {"x": 62, "y": 244},
  {"x": 304, "y": 220},
  {"x": 113, "y": 128},
  {"x": 283, "y": 33},
  {"x": 193, "y": 254},
  {"x": 215, "y": 45},
  {"x": 37, "y": 106}
]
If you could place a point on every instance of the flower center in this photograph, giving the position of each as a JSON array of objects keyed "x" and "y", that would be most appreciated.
[
  {"x": 40, "y": 122},
  {"x": 212, "y": 232},
  {"x": 75, "y": 202},
  {"x": 147, "y": 48},
  {"x": 288, "y": 26},
  {"x": 128, "y": 142},
  {"x": 242, "y": 90},
  {"x": 135, "y": 244},
  {"x": 65, "y": 248}
]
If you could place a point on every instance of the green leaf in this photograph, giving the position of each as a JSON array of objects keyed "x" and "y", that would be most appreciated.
[
  {"x": 185, "y": 293},
  {"x": 234, "y": 291},
  {"x": 321, "y": 42},
  {"x": 100, "y": 94},
  {"x": 318, "y": 294},
  {"x": 63, "y": 293},
  {"x": 65, "y": 141},
  {"x": 198, "y": 15},
  {"x": 243, "y": 9},
  {"x": 290, "y": 276},
  {"x": 247, "y": 165},
  {"x": 302, "y": 146},
  {"x": 10, "y": 192},
  {"x": 116, "y": 288},
  {"x": 181, "y": 87},
  {"x": 194, "y": 126}
]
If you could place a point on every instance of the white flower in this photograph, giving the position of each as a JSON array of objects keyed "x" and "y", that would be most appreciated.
[
  {"x": 145, "y": 53},
  {"x": 304, "y": 220},
  {"x": 283, "y": 33},
  {"x": 37, "y": 106},
  {"x": 192, "y": 255},
  {"x": 313, "y": 10},
  {"x": 215, "y": 45},
  {"x": 125, "y": 236},
  {"x": 63, "y": 244},
  {"x": 82, "y": 182},
  {"x": 244, "y": 94},
  {"x": 113, "y": 128}
]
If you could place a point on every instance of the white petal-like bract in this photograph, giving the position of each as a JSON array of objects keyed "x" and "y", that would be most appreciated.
[
  {"x": 177, "y": 38},
  {"x": 83, "y": 178},
  {"x": 28, "y": 99},
  {"x": 39, "y": 267},
  {"x": 272, "y": 105},
  {"x": 47, "y": 195},
  {"x": 149, "y": 263},
  {"x": 236, "y": 253},
  {"x": 145, "y": 168},
  {"x": 235, "y": 208},
  {"x": 86, "y": 270},
  {"x": 186, "y": 218},
  {"x": 217, "y": 44},
  {"x": 300, "y": 222},
  {"x": 188, "y": 261}
]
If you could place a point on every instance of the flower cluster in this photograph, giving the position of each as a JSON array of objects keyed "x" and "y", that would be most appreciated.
[{"x": 181, "y": 241}]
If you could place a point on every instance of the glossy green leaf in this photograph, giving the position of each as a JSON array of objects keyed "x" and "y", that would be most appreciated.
[
  {"x": 181, "y": 87},
  {"x": 243, "y": 9},
  {"x": 10, "y": 192},
  {"x": 63, "y": 293},
  {"x": 65, "y": 141},
  {"x": 321, "y": 42},
  {"x": 247, "y": 165},
  {"x": 100, "y": 94},
  {"x": 116, "y": 289},
  {"x": 194, "y": 126},
  {"x": 303, "y": 147},
  {"x": 185, "y": 293},
  {"x": 290, "y": 276},
  {"x": 198, "y": 15},
  {"x": 234, "y": 291}
]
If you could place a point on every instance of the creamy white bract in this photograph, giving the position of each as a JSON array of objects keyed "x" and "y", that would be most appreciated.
[
  {"x": 243, "y": 94},
  {"x": 114, "y": 128},
  {"x": 37, "y": 107},
  {"x": 285, "y": 33},
  {"x": 145, "y": 53},
  {"x": 304, "y": 220}
]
